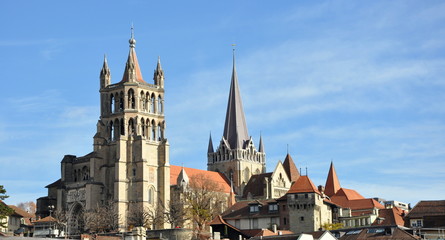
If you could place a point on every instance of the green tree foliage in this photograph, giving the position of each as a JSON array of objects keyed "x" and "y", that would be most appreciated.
[
  {"x": 332, "y": 226},
  {"x": 4, "y": 209}
]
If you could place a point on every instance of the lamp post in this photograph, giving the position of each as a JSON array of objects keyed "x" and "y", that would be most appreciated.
[{"x": 50, "y": 209}]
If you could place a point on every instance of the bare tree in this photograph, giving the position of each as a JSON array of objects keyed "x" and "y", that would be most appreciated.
[
  {"x": 203, "y": 200},
  {"x": 148, "y": 217},
  {"x": 111, "y": 217},
  {"x": 61, "y": 220},
  {"x": 29, "y": 206},
  {"x": 176, "y": 213},
  {"x": 101, "y": 219},
  {"x": 139, "y": 216}
]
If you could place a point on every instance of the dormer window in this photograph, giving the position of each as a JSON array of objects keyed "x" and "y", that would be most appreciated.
[
  {"x": 273, "y": 207},
  {"x": 416, "y": 223},
  {"x": 254, "y": 208}
]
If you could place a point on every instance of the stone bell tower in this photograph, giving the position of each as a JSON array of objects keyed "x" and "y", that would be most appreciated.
[{"x": 132, "y": 150}]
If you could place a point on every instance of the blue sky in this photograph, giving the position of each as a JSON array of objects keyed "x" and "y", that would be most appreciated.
[{"x": 360, "y": 83}]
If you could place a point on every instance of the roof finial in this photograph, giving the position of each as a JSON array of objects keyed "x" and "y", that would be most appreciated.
[
  {"x": 287, "y": 145},
  {"x": 132, "y": 30},
  {"x": 132, "y": 41},
  {"x": 233, "y": 53}
]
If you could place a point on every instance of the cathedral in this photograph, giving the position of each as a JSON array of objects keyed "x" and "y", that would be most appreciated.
[{"x": 129, "y": 165}]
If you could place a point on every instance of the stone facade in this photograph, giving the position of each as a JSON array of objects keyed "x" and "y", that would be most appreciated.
[
  {"x": 308, "y": 212},
  {"x": 129, "y": 164}
]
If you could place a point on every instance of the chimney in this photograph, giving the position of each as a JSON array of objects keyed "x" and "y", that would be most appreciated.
[
  {"x": 274, "y": 228},
  {"x": 321, "y": 189}
]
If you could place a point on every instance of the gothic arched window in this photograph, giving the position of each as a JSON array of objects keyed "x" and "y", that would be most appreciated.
[
  {"x": 151, "y": 195},
  {"x": 131, "y": 100},
  {"x": 246, "y": 174},
  {"x": 143, "y": 127},
  {"x": 147, "y": 102},
  {"x": 131, "y": 129},
  {"x": 111, "y": 103},
  {"x": 111, "y": 133},
  {"x": 153, "y": 130},
  {"x": 153, "y": 103},
  {"x": 160, "y": 105},
  {"x": 122, "y": 125},
  {"x": 121, "y": 102}
]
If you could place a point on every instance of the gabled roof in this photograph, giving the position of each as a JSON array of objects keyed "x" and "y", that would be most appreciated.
[
  {"x": 362, "y": 204},
  {"x": 345, "y": 194},
  {"x": 267, "y": 232},
  {"x": 255, "y": 185},
  {"x": 45, "y": 220},
  {"x": 303, "y": 185},
  {"x": 21, "y": 212},
  {"x": 182, "y": 177},
  {"x": 241, "y": 210},
  {"x": 390, "y": 217},
  {"x": 218, "y": 220},
  {"x": 290, "y": 168},
  {"x": 332, "y": 183},
  {"x": 54, "y": 184},
  {"x": 193, "y": 174},
  {"x": 235, "y": 127},
  {"x": 427, "y": 208}
]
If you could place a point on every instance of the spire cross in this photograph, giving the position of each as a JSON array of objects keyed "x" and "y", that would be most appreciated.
[
  {"x": 132, "y": 31},
  {"x": 132, "y": 41}
]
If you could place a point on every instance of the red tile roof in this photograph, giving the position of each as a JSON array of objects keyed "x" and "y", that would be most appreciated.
[
  {"x": 267, "y": 232},
  {"x": 303, "y": 185},
  {"x": 332, "y": 183},
  {"x": 193, "y": 174},
  {"x": 359, "y": 204},
  {"x": 344, "y": 195},
  {"x": 390, "y": 217},
  {"x": 218, "y": 220},
  {"x": 290, "y": 168},
  {"x": 46, "y": 219},
  {"x": 21, "y": 212},
  {"x": 132, "y": 59}
]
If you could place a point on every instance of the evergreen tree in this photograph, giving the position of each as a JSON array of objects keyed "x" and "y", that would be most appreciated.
[{"x": 4, "y": 209}]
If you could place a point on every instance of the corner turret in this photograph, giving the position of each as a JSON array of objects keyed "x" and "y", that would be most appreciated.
[
  {"x": 105, "y": 74},
  {"x": 158, "y": 75}
]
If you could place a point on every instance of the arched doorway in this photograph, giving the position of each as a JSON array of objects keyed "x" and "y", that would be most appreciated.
[{"x": 75, "y": 220}]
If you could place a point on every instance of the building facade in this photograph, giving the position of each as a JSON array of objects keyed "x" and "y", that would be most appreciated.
[{"x": 129, "y": 165}]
